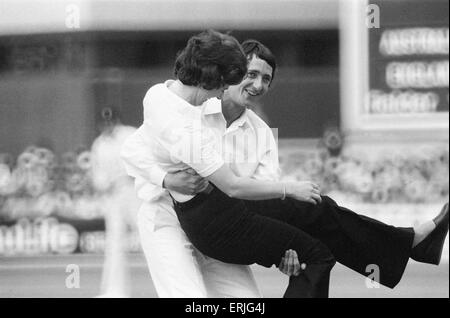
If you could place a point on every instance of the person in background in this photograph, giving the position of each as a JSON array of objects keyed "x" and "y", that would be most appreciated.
[{"x": 119, "y": 202}]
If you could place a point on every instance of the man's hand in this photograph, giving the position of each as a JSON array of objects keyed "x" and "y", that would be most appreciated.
[
  {"x": 290, "y": 264},
  {"x": 306, "y": 191},
  {"x": 185, "y": 182}
]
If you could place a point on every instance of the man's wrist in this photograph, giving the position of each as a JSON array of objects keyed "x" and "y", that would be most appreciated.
[{"x": 158, "y": 177}]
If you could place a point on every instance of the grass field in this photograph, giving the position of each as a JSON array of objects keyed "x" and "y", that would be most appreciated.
[{"x": 46, "y": 276}]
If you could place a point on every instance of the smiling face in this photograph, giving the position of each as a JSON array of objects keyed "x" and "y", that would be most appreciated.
[{"x": 254, "y": 85}]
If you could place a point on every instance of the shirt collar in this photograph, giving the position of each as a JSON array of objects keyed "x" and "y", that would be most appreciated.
[
  {"x": 182, "y": 105},
  {"x": 213, "y": 106},
  {"x": 242, "y": 120}
]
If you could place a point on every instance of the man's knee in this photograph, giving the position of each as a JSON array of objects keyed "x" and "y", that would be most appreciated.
[
  {"x": 327, "y": 201},
  {"x": 322, "y": 255}
]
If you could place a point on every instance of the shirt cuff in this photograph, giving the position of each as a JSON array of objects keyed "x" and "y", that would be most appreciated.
[
  {"x": 211, "y": 169},
  {"x": 157, "y": 176}
]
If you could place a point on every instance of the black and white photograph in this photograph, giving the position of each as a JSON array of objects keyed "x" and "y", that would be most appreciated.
[{"x": 224, "y": 149}]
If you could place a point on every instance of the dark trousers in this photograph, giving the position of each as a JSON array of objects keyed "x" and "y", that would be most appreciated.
[
  {"x": 356, "y": 241},
  {"x": 247, "y": 232},
  {"x": 225, "y": 229}
]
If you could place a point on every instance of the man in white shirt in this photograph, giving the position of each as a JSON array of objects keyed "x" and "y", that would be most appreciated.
[
  {"x": 120, "y": 202},
  {"x": 248, "y": 145}
]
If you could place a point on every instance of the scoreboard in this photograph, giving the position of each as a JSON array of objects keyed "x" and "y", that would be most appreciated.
[{"x": 408, "y": 58}]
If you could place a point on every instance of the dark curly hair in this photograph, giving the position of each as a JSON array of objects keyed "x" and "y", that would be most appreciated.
[
  {"x": 211, "y": 60},
  {"x": 256, "y": 48}
]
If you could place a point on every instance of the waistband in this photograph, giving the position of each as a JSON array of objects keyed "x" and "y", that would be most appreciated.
[{"x": 195, "y": 201}]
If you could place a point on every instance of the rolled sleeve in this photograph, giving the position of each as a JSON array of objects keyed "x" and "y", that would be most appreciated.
[
  {"x": 193, "y": 146},
  {"x": 139, "y": 161}
]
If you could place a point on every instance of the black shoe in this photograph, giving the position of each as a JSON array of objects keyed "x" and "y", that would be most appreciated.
[{"x": 430, "y": 249}]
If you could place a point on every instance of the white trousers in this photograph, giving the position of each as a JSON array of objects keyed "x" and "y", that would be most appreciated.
[
  {"x": 179, "y": 270},
  {"x": 120, "y": 213}
]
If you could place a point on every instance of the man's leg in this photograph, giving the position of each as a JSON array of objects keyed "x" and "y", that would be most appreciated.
[
  {"x": 115, "y": 275},
  {"x": 171, "y": 259},
  {"x": 356, "y": 241},
  {"x": 120, "y": 213},
  {"x": 224, "y": 280},
  {"x": 264, "y": 241}
]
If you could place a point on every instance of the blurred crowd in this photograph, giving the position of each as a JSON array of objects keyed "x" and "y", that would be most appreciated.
[
  {"x": 408, "y": 178},
  {"x": 40, "y": 183}
]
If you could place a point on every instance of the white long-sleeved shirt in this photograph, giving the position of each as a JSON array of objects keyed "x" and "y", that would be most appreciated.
[
  {"x": 107, "y": 167},
  {"x": 248, "y": 146}
]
